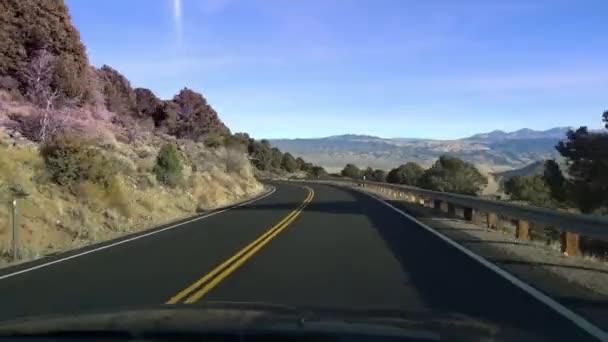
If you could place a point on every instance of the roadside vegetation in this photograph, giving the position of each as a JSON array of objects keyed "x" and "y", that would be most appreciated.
[
  {"x": 582, "y": 185},
  {"x": 448, "y": 174},
  {"x": 90, "y": 157}
]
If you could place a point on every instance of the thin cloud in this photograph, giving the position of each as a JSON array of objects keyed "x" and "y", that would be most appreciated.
[{"x": 177, "y": 19}]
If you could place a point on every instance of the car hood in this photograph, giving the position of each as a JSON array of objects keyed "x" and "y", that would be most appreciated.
[{"x": 261, "y": 317}]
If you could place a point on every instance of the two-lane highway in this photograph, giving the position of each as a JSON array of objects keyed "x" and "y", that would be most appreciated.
[{"x": 306, "y": 246}]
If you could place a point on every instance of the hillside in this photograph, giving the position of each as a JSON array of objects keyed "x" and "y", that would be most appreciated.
[
  {"x": 536, "y": 168},
  {"x": 496, "y": 150},
  {"x": 94, "y": 157}
]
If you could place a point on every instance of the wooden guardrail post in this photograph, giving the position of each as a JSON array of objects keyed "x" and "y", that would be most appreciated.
[
  {"x": 522, "y": 230},
  {"x": 444, "y": 206},
  {"x": 492, "y": 221},
  {"x": 451, "y": 210},
  {"x": 437, "y": 205},
  {"x": 569, "y": 243},
  {"x": 473, "y": 215}
]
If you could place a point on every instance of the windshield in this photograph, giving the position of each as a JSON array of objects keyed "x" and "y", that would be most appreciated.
[{"x": 350, "y": 167}]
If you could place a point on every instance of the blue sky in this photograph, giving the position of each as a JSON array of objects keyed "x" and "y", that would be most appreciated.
[{"x": 392, "y": 68}]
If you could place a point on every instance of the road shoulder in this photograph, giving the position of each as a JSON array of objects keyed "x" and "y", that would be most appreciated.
[{"x": 574, "y": 282}]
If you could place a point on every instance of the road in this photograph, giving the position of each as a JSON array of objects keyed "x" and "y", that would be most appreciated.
[{"x": 324, "y": 247}]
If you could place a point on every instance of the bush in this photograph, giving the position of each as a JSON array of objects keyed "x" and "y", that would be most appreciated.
[
  {"x": 451, "y": 174},
  {"x": 409, "y": 174},
  {"x": 531, "y": 189},
  {"x": 168, "y": 168},
  {"x": 351, "y": 171},
  {"x": 235, "y": 160},
  {"x": 378, "y": 176},
  {"x": 288, "y": 163},
  {"x": 71, "y": 160},
  {"x": 30, "y": 25},
  {"x": 317, "y": 172}
]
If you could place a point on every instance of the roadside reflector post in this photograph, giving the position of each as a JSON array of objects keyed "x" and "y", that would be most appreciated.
[
  {"x": 492, "y": 221},
  {"x": 522, "y": 230},
  {"x": 15, "y": 229},
  {"x": 569, "y": 243}
]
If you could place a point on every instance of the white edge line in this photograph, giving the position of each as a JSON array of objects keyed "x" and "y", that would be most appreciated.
[
  {"x": 575, "y": 318},
  {"x": 134, "y": 238}
]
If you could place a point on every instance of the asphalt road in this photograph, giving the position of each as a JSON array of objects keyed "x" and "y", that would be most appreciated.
[{"x": 324, "y": 247}]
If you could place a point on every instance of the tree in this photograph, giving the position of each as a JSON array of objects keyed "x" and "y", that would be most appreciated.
[
  {"x": 408, "y": 174},
  {"x": 276, "y": 157},
  {"x": 300, "y": 162},
  {"x": 351, "y": 171},
  {"x": 288, "y": 163},
  {"x": 147, "y": 105},
  {"x": 587, "y": 157},
  {"x": 378, "y": 176},
  {"x": 367, "y": 173},
  {"x": 195, "y": 117},
  {"x": 451, "y": 174},
  {"x": 260, "y": 155},
  {"x": 120, "y": 98},
  {"x": 555, "y": 180},
  {"x": 46, "y": 121},
  {"x": 28, "y": 26},
  {"x": 317, "y": 172},
  {"x": 38, "y": 77},
  {"x": 532, "y": 189},
  {"x": 307, "y": 167}
]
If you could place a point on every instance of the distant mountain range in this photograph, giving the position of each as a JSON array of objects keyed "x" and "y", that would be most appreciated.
[{"x": 493, "y": 151}]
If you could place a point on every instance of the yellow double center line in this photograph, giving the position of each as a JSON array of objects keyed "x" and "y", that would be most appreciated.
[{"x": 202, "y": 286}]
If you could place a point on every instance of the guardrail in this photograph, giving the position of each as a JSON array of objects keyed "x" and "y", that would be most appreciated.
[{"x": 570, "y": 225}]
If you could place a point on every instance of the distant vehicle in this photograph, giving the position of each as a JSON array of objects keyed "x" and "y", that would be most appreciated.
[{"x": 221, "y": 321}]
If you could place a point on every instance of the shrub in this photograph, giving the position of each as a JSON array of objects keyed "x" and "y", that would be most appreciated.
[
  {"x": 9, "y": 83},
  {"x": 70, "y": 160},
  {"x": 195, "y": 117},
  {"x": 451, "y": 174},
  {"x": 235, "y": 160},
  {"x": 351, "y": 171},
  {"x": 120, "y": 97},
  {"x": 532, "y": 189},
  {"x": 288, "y": 163},
  {"x": 317, "y": 172},
  {"x": 409, "y": 173},
  {"x": 30, "y": 25},
  {"x": 168, "y": 168},
  {"x": 378, "y": 176}
]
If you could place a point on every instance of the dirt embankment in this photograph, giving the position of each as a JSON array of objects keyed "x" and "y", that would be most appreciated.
[{"x": 56, "y": 217}]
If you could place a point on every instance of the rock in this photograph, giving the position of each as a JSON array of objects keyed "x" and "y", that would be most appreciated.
[{"x": 111, "y": 214}]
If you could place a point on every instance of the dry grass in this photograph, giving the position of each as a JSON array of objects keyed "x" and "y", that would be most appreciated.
[{"x": 56, "y": 218}]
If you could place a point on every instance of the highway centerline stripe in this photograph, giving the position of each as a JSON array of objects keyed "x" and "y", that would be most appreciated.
[{"x": 242, "y": 255}]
